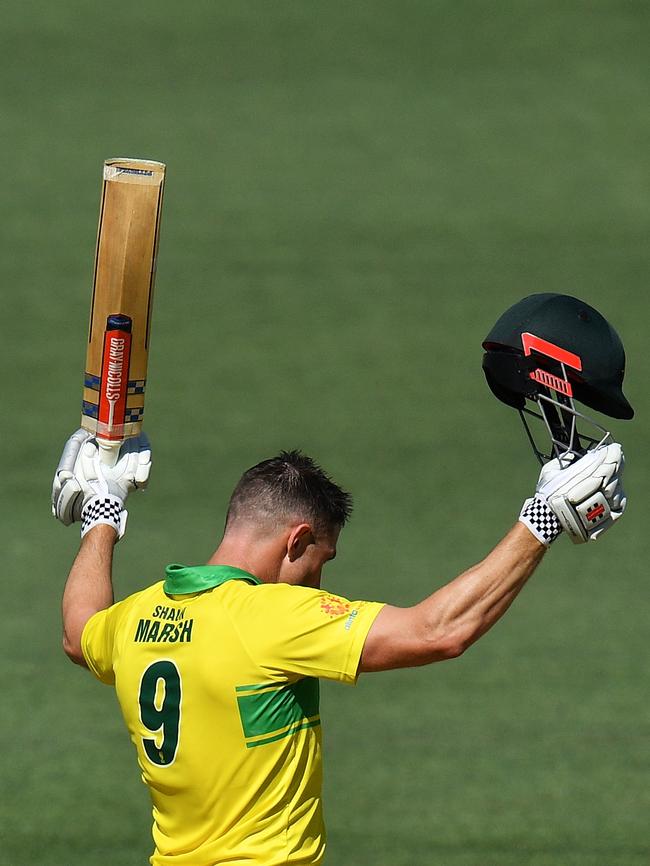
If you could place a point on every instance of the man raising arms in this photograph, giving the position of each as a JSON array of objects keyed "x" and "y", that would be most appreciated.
[{"x": 216, "y": 667}]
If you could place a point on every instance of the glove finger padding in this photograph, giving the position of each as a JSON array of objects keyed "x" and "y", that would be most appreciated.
[
  {"x": 89, "y": 470},
  {"x": 600, "y": 463},
  {"x": 67, "y": 496},
  {"x": 131, "y": 471},
  {"x": 67, "y": 499},
  {"x": 615, "y": 494},
  {"x": 134, "y": 463},
  {"x": 143, "y": 469},
  {"x": 71, "y": 450},
  {"x": 586, "y": 496}
]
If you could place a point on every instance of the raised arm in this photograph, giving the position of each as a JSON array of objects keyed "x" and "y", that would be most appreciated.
[
  {"x": 87, "y": 490},
  {"x": 452, "y": 618},
  {"x": 89, "y": 587},
  {"x": 583, "y": 498}
]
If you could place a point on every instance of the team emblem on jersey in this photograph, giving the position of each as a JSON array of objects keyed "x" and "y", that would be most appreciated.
[{"x": 332, "y": 605}]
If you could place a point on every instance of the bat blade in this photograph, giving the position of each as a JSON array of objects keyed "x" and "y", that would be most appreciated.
[{"x": 120, "y": 316}]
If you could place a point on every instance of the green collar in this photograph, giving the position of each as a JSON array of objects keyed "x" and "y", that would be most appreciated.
[{"x": 185, "y": 579}]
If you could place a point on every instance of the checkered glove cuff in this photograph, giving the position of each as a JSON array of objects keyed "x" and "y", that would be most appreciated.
[
  {"x": 103, "y": 509},
  {"x": 541, "y": 521}
]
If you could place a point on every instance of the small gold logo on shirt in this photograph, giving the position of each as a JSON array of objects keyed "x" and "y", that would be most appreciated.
[{"x": 332, "y": 605}]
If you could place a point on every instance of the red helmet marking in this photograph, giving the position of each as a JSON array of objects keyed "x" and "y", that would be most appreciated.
[
  {"x": 530, "y": 342},
  {"x": 552, "y": 381}
]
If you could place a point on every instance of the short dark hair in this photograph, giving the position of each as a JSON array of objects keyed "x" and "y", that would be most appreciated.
[{"x": 291, "y": 485}]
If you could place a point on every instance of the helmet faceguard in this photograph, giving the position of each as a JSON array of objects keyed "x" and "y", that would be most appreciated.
[{"x": 551, "y": 350}]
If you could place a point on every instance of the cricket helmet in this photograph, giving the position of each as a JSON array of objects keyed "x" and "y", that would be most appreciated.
[{"x": 551, "y": 349}]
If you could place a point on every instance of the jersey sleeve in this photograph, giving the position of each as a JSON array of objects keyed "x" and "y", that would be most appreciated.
[
  {"x": 98, "y": 642},
  {"x": 309, "y": 632}
]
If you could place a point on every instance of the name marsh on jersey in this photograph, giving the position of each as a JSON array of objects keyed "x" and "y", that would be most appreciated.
[{"x": 168, "y": 625}]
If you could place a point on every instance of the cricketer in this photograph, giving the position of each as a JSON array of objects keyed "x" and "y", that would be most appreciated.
[{"x": 217, "y": 666}]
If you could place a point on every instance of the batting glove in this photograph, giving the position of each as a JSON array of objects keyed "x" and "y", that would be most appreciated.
[
  {"x": 86, "y": 489},
  {"x": 67, "y": 495},
  {"x": 582, "y": 496}
]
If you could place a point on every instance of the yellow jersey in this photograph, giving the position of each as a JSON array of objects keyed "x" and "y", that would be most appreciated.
[{"x": 217, "y": 679}]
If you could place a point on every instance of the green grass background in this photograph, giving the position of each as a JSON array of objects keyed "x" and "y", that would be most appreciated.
[{"x": 355, "y": 192}]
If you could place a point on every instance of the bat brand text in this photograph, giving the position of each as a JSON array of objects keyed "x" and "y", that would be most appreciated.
[{"x": 115, "y": 368}]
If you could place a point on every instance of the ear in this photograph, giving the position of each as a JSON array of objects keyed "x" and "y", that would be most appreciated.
[{"x": 299, "y": 539}]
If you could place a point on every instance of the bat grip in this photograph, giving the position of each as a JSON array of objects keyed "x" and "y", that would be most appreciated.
[{"x": 108, "y": 451}]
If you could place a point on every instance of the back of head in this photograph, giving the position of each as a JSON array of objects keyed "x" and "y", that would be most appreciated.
[{"x": 288, "y": 488}]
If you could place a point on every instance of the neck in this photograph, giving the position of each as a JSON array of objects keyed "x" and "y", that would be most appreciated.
[{"x": 258, "y": 557}]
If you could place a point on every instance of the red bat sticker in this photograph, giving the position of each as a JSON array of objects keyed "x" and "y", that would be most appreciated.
[{"x": 115, "y": 378}]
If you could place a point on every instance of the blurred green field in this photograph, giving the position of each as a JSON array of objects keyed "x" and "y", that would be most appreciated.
[{"x": 355, "y": 192}]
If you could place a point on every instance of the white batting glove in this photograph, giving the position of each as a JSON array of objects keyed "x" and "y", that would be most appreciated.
[
  {"x": 92, "y": 491},
  {"x": 110, "y": 485},
  {"x": 582, "y": 496},
  {"x": 67, "y": 493}
]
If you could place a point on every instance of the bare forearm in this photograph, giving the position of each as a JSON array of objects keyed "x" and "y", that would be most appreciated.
[
  {"x": 89, "y": 587},
  {"x": 456, "y": 615},
  {"x": 452, "y": 618}
]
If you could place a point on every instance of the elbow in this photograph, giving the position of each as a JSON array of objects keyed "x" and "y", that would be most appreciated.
[
  {"x": 73, "y": 651},
  {"x": 451, "y": 648},
  {"x": 448, "y": 644}
]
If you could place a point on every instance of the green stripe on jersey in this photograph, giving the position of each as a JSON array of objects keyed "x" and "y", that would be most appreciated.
[{"x": 270, "y": 712}]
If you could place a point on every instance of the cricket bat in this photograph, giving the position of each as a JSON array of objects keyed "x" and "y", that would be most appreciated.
[{"x": 115, "y": 377}]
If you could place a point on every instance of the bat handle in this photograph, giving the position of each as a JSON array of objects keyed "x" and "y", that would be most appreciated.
[{"x": 108, "y": 451}]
